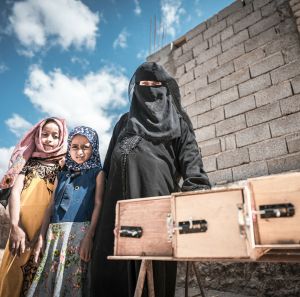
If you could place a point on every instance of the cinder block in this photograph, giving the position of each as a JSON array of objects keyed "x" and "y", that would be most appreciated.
[
  {"x": 267, "y": 64},
  {"x": 264, "y": 24},
  {"x": 268, "y": 149},
  {"x": 291, "y": 53},
  {"x": 228, "y": 142},
  {"x": 192, "y": 43},
  {"x": 208, "y": 91},
  {"x": 220, "y": 177},
  {"x": 240, "y": 106},
  {"x": 249, "y": 59},
  {"x": 290, "y": 105},
  {"x": 273, "y": 94},
  {"x": 285, "y": 125},
  {"x": 211, "y": 117},
  {"x": 210, "y": 147},
  {"x": 231, "y": 54},
  {"x": 224, "y": 97},
  {"x": 260, "y": 39},
  {"x": 263, "y": 114},
  {"x": 180, "y": 71},
  {"x": 208, "y": 54},
  {"x": 204, "y": 68},
  {"x": 240, "y": 14},
  {"x": 196, "y": 84},
  {"x": 188, "y": 99},
  {"x": 228, "y": 32},
  {"x": 190, "y": 65},
  {"x": 198, "y": 107},
  {"x": 196, "y": 31},
  {"x": 285, "y": 72},
  {"x": 247, "y": 21},
  {"x": 296, "y": 84},
  {"x": 209, "y": 163},
  {"x": 177, "y": 52},
  {"x": 250, "y": 170},
  {"x": 212, "y": 21},
  {"x": 200, "y": 48},
  {"x": 281, "y": 42},
  {"x": 183, "y": 58},
  {"x": 194, "y": 122},
  {"x": 211, "y": 31},
  {"x": 269, "y": 9},
  {"x": 286, "y": 163},
  {"x": 234, "y": 40},
  {"x": 252, "y": 135},
  {"x": 205, "y": 133},
  {"x": 232, "y": 8},
  {"x": 293, "y": 2},
  {"x": 233, "y": 158},
  {"x": 185, "y": 78},
  {"x": 255, "y": 84},
  {"x": 220, "y": 72},
  {"x": 259, "y": 3},
  {"x": 235, "y": 78},
  {"x": 231, "y": 125},
  {"x": 214, "y": 40},
  {"x": 293, "y": 142}
]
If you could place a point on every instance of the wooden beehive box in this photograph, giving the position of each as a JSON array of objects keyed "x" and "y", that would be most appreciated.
[
  {"x": 142, "y": 228},
  {"x": 273, "y": 203}
]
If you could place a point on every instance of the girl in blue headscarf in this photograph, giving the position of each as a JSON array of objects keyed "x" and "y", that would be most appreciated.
[{"x": 71, "y": 221}]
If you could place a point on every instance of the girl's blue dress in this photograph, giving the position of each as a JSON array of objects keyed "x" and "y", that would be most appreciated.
[{"x": 61, "y": 271}]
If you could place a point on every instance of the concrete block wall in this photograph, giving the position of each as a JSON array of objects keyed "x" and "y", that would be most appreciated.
[{"x": 239, "y": 76}]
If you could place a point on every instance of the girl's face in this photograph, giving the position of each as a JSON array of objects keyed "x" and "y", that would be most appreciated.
[
  {"x": 80, "y": 149},
  {"x": 50, "y": 136}
]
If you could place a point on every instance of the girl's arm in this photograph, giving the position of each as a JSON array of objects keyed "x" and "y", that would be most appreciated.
[
  {"x": 40, "y": 244},
  {"x": 87, "y": 242},
  {"x": 17, "y": 238}
]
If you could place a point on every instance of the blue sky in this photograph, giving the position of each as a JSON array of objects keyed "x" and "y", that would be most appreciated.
[{"x": 73, "y": 59}]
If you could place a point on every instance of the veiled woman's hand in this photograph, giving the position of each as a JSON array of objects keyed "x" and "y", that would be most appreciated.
[{"x": 17, "y": 240}]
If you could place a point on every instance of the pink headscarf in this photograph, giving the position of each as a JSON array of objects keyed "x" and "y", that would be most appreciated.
[{"x": 31, "y": 146}]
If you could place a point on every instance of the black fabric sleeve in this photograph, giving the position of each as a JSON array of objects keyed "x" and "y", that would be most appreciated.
[
  {"x": 190, "y": 161},
  {"x": 117, "y": 129}
]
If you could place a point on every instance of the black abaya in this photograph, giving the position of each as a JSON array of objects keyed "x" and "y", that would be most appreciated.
[{"x": 137, "y": 167}]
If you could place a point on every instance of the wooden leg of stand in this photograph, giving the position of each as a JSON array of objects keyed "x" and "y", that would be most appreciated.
[
  {"x": 141, "y": 279},
  {"x": 150, "y": 281},
  {"x": 198, "y": 279},
  {"x": 186, "y": 286}
]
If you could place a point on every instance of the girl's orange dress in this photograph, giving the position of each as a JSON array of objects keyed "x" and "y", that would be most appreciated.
[{"x": 17, "y": 272}]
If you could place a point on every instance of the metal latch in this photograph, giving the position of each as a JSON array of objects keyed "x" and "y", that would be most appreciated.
[
  {"x": 131, "y": 231},
  {"x": 276, "y": 210}
]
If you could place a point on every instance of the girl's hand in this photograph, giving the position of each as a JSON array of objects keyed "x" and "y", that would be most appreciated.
[
  {"x": 17, "y": 240},
  {"x": 39, "y": 248},
  {"x": 85, "y": 249}
]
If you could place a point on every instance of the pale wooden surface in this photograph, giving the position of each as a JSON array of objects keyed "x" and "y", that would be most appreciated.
[
  {"x": 152, "y": 218},
  {"x": 277, "y": 189},
  {"x": 222, "y": 238}
]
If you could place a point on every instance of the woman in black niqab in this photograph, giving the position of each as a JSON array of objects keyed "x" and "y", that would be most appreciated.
[{"x": 152, "y": 147}]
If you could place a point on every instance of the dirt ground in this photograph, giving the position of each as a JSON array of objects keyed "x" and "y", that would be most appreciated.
[{"x": 208, "y": 293}]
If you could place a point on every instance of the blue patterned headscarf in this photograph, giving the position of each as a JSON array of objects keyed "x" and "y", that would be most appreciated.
[{"x": 92, "y": 136}]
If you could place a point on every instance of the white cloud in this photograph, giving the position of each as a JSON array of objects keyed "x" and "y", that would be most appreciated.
[
  {"x": 3, "y": 68},
  {"x": 63, "y": 22},
  {"x": 18, "y": 125},
  {"x": 137, "y": 9},
  {"x": 199, "y": 12},
  {"x": 89, "y": 100},
  {"x": 5, "y": 154},
  {"x": 84, "y": 63},
  {"x": 121, "y": 40},
  {"x": 142, "y": 55},
  {"x": 171, "y": 11}
]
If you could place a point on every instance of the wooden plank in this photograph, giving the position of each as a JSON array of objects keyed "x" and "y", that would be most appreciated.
[
  {"x": 150, "y": 281},
  {"x": 141, "y": 279},
  {"x": 222, "y": 238},
  {"x": 277, "y": 189},
  {"x": 150, "y": 214}
]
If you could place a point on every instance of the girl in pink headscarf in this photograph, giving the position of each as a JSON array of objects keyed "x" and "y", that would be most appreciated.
[{"x": 29, "y": 181}]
